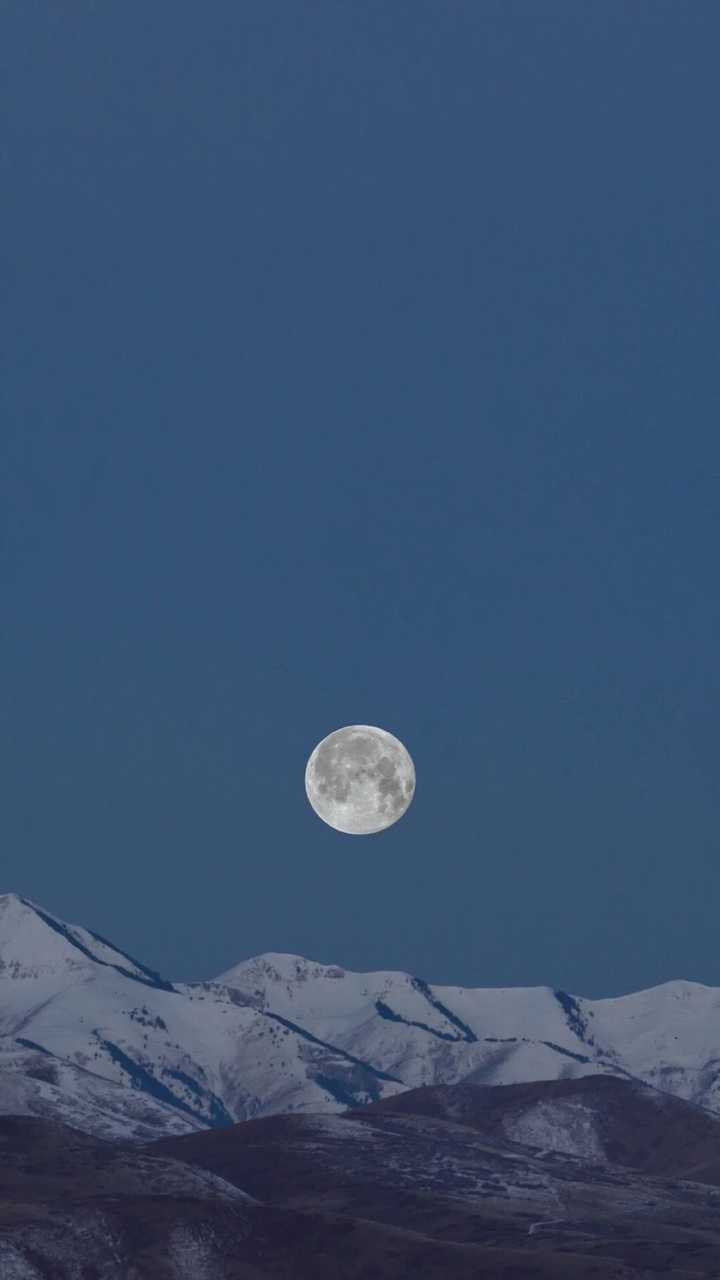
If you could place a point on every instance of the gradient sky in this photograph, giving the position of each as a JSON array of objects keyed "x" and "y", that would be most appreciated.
[{"x": 361, "y": 365}]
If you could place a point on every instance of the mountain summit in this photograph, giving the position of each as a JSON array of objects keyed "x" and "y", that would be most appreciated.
[{"x": 35, "y": 944}]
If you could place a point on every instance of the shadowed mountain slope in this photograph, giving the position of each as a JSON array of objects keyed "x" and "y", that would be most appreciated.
[
  {"x": 606, "y": 1118},
  {"x": 75, "y": 1208},
  {"x": 467, "y": 1182}
]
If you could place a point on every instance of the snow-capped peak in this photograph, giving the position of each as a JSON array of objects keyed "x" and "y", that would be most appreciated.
[
  {"x": 34, "y": 943},
  {"x": 277, "y": 967}
]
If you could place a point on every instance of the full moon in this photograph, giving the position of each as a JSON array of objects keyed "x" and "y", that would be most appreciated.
[{"x": 360, "y": 779}]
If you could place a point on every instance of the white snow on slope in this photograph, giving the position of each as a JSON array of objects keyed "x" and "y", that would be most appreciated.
[
  {"x": 199, "y": 1051},
  {"x": 34, "y": 944},
  {"x": 564, "y": 1124},
  {"x": 279, "y": 1033},
  {"x": 37, "y": 1084},
  {"x": 668, "y": 1036}
]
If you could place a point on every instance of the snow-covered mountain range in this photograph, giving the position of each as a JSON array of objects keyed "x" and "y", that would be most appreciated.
[{"x": 93, "y": 1037}]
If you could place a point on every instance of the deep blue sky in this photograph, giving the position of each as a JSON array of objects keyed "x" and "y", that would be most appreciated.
[{"x": 361, "y": 365}]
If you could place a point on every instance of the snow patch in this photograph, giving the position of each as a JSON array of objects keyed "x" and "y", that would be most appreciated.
[
  {"x": 563, "y": 1125},
  {"x": 13, "y": 1266}
]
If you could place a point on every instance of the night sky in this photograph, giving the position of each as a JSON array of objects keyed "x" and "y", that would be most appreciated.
[{"x": 360, "y": 364}]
